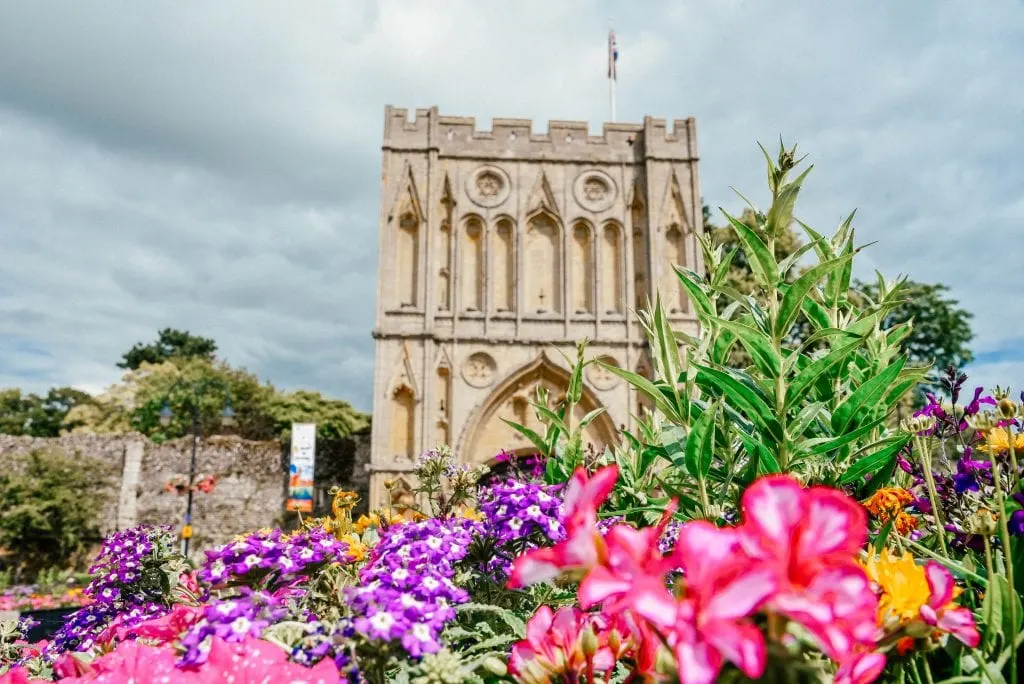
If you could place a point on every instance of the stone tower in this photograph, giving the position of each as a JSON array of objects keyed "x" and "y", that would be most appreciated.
[{"x": 500, "y": 247}]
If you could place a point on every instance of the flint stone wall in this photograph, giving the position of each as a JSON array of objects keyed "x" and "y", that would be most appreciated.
[{"x": 251, "y": 487}]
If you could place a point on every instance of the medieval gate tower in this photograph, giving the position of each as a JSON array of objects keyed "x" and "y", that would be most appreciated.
[{"x": 498, "y": 248}]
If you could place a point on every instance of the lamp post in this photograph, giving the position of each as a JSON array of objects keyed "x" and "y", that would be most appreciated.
[{"x": 227, "y": 419}]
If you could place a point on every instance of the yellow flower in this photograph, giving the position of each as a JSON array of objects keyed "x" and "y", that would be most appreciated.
[
  {"x": 470, "y": 514},
  {"x": 357, "y": 550},
  {"x": 363, "y": 523},
  {"x": 903, "y": 586},
  {"x": 996, "y": 440}
]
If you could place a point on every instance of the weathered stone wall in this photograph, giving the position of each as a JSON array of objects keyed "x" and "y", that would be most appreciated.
[{"x": 251, "y": 486}]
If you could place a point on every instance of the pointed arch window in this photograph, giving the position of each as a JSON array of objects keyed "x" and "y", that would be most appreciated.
[
  {"x": 639, "y": 257},
  {"x": 582, "y": 266},
  {"x": 675, "y": 255},
  {"x": 543, "y": 252},
  {"x": 403, "y": 422},
  {"x": 472, "y": 272},
  {"x": 408, "y": 260},
  {"x": 612, "y": 290},
  {"x": 503, "y": 267}
]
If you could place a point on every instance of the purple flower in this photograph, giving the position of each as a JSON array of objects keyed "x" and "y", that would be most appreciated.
[{"x": 1016, "y": 521}]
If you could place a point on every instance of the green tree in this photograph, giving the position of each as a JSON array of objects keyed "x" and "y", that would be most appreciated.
[
  {"x": 942, "y": 333},
  {"x": 170, "y": 343},
  {"x": 334, "y": 418},
  {"x": 51, "y": 508},
  {"x": 38, "y": 416}
]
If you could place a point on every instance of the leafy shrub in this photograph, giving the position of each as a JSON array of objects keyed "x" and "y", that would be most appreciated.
[{"x": 51, "y": 509}]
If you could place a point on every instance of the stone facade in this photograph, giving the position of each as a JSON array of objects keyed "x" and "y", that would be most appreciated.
[
  {"x": 251, "y": 486},
  {"x": 498, "y": 250}
]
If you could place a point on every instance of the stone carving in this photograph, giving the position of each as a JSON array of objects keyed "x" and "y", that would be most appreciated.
[
  {"x": 488, "y": 186},
  {"x": 600, "y": 377},
  {"x": 595, "y": 190},
  {"x": 479, "y": 369}
]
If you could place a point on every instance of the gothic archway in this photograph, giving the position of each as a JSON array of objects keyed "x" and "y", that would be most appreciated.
[{"x": 486, "y": 434}]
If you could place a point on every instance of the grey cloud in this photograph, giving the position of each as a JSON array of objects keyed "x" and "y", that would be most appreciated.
[{"x": 216, "y": 167}]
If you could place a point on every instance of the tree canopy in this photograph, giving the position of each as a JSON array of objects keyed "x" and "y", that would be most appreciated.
[
  {"x": 168, "y": 371},
  {"x": 170, "y": 344}
]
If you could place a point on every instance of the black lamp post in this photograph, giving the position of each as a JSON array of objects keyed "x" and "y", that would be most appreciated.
[{"x": 227, "y": 418}]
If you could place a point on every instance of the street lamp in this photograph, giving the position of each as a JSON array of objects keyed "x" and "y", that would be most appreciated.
[{"x": 227, "y": 419}]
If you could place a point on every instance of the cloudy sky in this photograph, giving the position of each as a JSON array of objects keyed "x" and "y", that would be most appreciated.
[{"x": 215, "y": 166}]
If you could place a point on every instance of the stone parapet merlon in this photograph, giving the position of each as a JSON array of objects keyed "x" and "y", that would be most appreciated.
[{"x": 510, "y": 139}]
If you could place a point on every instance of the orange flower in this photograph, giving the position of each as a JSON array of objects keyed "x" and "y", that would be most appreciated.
[
  {"x": 905, "y": 523},
  {"x": 996, "y": 440},
  {"x": 888, "y": 503}
]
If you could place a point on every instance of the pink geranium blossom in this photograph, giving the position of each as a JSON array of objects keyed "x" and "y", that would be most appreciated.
[
  {"x": 583, "y": 544},
  {"x": 941, "y": 612},
  {"x": 554, "y": 647}
]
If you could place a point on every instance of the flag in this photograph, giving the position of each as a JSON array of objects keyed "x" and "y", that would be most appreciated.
[{"x": 613, "y": 55}]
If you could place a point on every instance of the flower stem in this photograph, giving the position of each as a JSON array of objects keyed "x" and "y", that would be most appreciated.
[
  {"x": 1004, "y": 538},
  {"x": 933, "y": 496},
  {"x": 1015, "y": 473}
]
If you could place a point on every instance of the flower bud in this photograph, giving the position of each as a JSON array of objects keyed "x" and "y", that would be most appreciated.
[
  {"x": 495, "y": 666},
  {"x": 1007, "y": 409},
  {"x": 588, "y": 642},
  {"x": 983, "y": 522}
]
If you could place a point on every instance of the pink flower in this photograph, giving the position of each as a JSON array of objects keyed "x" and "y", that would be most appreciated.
[
  {"x": 810, "y": 538},
  {"x": 583, "y": 543},
  {"x": 254, "y": 660},
  {"x": 17, "y": 675},
  {"x": 631, "y": 575},
  {"x": 554, "y": 647},
  {"x": 723, "y": 589},
  {"x": 941, "y": 612},
  {"x": 134, "y": 661},
  {"x": 166, "y": 628}
]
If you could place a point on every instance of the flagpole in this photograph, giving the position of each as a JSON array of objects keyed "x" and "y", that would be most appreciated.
[{"x": 612, "y": 69}]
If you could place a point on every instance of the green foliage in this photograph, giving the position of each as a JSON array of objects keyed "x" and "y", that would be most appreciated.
[
  {"x": 334, "y": 418},
  {"x": 38, "y": 416},
  {"x": 170, "y": 344},
  {"x": 51, "y": 508}
]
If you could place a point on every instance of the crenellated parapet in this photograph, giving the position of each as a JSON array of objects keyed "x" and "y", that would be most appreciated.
[{"x": 459, "y": 137}]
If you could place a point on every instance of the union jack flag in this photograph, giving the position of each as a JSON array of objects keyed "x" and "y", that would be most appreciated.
[{"x": 613, "y": 55}]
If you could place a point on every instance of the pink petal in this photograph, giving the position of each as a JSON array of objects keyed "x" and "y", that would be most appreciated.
[
  {"x": 649, "y": 599},
  {"x": 582, "y": 492},
  {"x": 741, "y": 644},
  {"x": 538, "y": 626},
  {"x": 941, "y": 582},
  {"x": 534, "y": 567},
  {"x": 626, "y": 543},
  {"x": 702, "y": 548},
  {"x": 599, "y": 584},
  {"x": 960, "y": 623},
  {"x": 773, "y": 506},
  {"x": 861, "y": 669},
  {"x": 834, "y": 524},
  {"x": 742, "y": 596},
  {"x": 697, "y": 662}
]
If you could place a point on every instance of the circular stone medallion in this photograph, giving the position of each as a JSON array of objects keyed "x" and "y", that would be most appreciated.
[
  {"x": 595, "y": 190},
  {"x": 488, "y": 186},
  {"x": 600, "y": 377},
  {"x": 479, "y": 369}
]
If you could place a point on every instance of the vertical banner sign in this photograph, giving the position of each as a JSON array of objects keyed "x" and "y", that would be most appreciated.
[{"x": 300, "y": 472}]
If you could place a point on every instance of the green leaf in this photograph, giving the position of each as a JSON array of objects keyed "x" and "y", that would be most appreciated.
[
  {"x": 883, "y": 535},
  {"x": 647, "y": 388},
  {"x": 757, "y": 345},
  {"x": 793, "y": 301},
  {"x": 699, "y": 444},
  {"x": 762, "y": 262},
  {"x": 808, "y": 414},
  {"x": 786, "y": 264},
  {"x": 587, "y": 419},
  {"x": 534, "y": 438},
  {"x": 875, "y": 461},
  {"x": 744, "y": 397},
  {"x": 694, "y": 286},
  {"x": 992, "y": 613},
  {"x": 803, "y": 382},
  {"x": 781, "y": 213},
  {"x": 867, "y": 394},
  {"x": 824, "y": 445}
]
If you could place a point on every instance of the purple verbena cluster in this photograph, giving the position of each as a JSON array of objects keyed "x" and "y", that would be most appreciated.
[
  {"x": 408, "y": 593},
  {"x": 233, "y": 619},
  {"x": 252, "y": 558},
  {"x": 91, "y": 625},
  {"x": 514, "y": 510}
]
